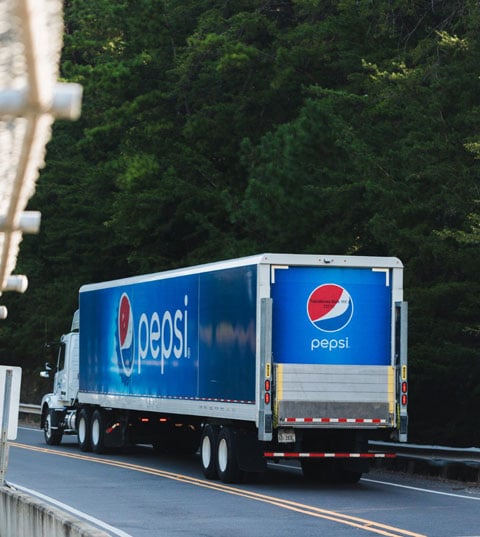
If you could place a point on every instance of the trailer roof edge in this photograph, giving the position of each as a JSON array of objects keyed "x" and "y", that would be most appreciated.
[{"x": 258, "y": 259}]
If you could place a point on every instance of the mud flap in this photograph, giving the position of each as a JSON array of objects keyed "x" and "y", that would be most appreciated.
[
  {"x": 56, "y": 418},
  {"x": 249, "y": 453}
]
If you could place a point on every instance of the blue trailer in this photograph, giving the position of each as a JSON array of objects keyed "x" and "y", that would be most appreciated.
[{"x": 259, "y": 358}]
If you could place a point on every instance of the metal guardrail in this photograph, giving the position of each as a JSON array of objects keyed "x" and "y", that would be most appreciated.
[
  {"x": 434, "y": 455},
  {"x": 454, "y": 463},
  {"x": 441, "y": 457},
  {"x": 30, "y": 409}
]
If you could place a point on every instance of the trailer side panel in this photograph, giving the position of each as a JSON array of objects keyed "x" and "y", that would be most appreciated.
[{"x": 186, "y": 338}]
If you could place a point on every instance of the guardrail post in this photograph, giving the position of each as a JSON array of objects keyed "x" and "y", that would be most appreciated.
[{"x": 4, "y": 426}]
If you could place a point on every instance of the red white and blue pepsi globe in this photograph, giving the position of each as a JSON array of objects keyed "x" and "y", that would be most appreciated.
[
  {"x": 330, "y": 307},
  {"x": 125, "y": 334}
]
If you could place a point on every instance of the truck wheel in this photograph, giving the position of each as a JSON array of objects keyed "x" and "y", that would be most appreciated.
[
  {"x": 83, "y": 430},
  {"x": 311, "y": 470},
  {"x": 318, "y": 471},
  {"x": 208, "y": 449},
  {"x": 53, "y": 437},
  {"x": 97, "y": 431},
  {"x": 227, "y": 461},
  {"x": 347, "y": 475},
  {"x": 350, "y": 477}
]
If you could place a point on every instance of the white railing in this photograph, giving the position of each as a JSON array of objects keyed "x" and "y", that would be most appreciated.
[{"x": 31, "y": 98}]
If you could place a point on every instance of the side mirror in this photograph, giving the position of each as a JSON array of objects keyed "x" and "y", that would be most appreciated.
[{"x": 46, "y": 374}]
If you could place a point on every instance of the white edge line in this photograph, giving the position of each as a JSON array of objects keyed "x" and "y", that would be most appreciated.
[
  {"x": 72, "y": 510},
  {"x": 451, "y": 494}
]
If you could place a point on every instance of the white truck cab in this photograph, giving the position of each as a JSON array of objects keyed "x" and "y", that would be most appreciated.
[{"x": 65, "y": 388}]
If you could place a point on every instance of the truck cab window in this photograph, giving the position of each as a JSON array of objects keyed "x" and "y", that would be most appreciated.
[{"x": 61, "y": 357}]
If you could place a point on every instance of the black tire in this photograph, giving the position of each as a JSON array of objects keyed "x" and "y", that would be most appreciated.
[
  {"x": 227, "y": 460},
  {"x": 97, "y": 431},
  {"x": 328, "y": 471},
  {"x": 53, "y": 437},
  {"x": 349, "y": 477},
  {"x": 83, "y": 430},
  {"x": 208, "y": 450},
  {"x": 319, "y": 471},
  {"x": 312, "y": 470}
]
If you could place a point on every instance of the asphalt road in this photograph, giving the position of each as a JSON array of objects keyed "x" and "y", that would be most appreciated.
[{"x": 141, "y": 494}]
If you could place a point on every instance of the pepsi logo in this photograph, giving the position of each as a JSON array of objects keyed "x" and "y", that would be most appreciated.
[
  {"x": 330, "y": 307},
  {"x": 125, "y": 334}
]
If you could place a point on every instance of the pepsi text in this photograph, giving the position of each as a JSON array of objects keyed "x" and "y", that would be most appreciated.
[
  {"x": 161, "y": 338},
  {"x": 329, "y": 344}
]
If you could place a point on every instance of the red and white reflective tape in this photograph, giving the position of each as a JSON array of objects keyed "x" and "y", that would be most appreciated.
[
  {"x": 333, "y": 420},
  {"x": 301, "y": 455}
]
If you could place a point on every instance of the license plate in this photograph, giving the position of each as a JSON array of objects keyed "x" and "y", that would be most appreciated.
[{"x": 286, "y": 436}]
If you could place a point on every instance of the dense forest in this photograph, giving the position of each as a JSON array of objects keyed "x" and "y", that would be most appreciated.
[{"x": 219, "y": 128}]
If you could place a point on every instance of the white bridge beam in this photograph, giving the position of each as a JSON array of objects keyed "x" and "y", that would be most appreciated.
[{"x": 31, "y": 98}]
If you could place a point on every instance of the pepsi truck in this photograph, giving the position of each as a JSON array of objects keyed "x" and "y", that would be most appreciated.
[{"x": 256, "y": 359}]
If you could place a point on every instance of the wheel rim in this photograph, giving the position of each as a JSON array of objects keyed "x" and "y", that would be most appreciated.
[
  {"x": 222, "y": 455},
  {"x": 82, "y": 428},
  {"x": 95, "y": 432},
  {"x": 206, "y": 452},
  {"x": 48, "y": 427}
]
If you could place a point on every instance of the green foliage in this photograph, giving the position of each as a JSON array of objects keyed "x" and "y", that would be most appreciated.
[
  {"x": 213, "y": 129},
  {"x": 307, "y": 179}
]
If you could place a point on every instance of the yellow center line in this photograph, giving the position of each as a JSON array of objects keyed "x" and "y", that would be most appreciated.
[{"x": 360, "y": 523}]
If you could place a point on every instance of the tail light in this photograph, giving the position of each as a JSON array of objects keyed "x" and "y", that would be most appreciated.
[
  {"x": 404, "y": 388},
  {"x": 267, "y": 397}
]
